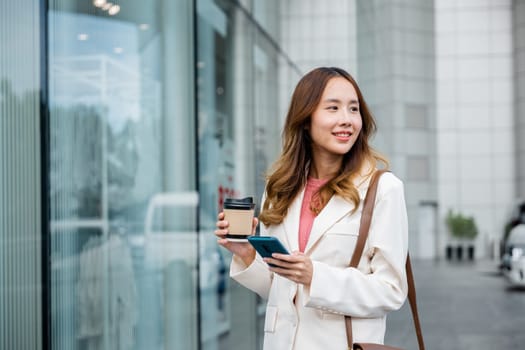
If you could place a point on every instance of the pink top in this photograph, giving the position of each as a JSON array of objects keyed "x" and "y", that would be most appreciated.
[{"x": 307, "y": 216}]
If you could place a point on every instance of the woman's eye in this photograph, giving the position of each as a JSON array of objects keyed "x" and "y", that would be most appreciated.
[
  {"x": 354, "y": 109},
  {"x": 332, "y": 108}
]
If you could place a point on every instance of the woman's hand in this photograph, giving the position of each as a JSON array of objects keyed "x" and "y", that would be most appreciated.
[
  {"x": 243, "y": 250},
  {"x": 297, "y": 267}
]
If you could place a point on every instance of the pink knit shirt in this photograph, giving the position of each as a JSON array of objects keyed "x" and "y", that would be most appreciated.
[{"x": 307, "y": 216}]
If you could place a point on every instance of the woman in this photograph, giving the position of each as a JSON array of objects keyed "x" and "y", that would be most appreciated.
[{"x": 313, "y": 203}]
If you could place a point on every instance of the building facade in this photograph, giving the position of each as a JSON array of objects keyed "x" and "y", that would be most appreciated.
[
  {"x": 476, "y": 120},
  {"x": 125, "y": 124}
]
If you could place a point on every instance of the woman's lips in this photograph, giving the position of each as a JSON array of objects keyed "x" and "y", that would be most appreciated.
[{"x": 343, "y": 135}]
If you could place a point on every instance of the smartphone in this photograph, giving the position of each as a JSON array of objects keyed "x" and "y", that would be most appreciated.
[{"x": 267, "y": 245}]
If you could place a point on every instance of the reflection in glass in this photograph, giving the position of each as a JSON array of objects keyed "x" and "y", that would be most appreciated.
[
  {"x": 124, "y": 270},
  {"x": 238, "y": 125},
  {"x": 21, "y": 231}
]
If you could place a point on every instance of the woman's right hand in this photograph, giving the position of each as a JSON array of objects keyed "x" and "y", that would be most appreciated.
[{"x": 243, "y": 250}]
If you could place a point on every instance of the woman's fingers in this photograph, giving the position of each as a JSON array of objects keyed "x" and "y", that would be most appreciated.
[
  {"x": 284, "y": 260},
  {"x": 296, "y": 267},
  {"x": 243, "y": 250},
  {"x": 222, "y": 226},
  {"x": 254, "y": 225}
]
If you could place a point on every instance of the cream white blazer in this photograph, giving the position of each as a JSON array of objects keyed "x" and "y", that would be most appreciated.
[{"x": 301, "y": 318}]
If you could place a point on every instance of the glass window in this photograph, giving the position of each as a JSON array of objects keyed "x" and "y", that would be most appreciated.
[
  {"x": 224, "y": 324},
  {"x": 20, "y": 176},
  {"x": 123, "y": 204},
  {"x": 239, "y": 122}
]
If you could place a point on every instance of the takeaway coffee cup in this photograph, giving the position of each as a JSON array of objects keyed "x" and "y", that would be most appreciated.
[{"x": 239, "y": 213}]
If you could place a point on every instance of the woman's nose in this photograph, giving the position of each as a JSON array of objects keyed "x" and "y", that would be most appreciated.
[{"x": 345, "y": 117}]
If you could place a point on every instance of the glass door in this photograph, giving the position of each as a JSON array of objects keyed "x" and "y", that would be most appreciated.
[{"x": 123, "y": 204}]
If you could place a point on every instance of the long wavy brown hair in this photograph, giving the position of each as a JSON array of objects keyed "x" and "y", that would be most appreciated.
[{"x": 290, "y": 171}]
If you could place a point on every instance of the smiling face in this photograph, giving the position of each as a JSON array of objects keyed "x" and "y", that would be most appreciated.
[{"x": 336, "y": 122}]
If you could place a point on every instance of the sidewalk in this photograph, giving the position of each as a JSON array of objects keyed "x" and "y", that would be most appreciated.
[{"x": 462, "y": 306}]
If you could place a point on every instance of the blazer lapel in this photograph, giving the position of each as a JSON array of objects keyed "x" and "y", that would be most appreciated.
[
  {"x": 335, "y": 210},
  {"x": 291, "y": 222}
]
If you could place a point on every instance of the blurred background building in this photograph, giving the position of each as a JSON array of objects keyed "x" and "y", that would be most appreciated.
[{"x": 124, "y": 124}]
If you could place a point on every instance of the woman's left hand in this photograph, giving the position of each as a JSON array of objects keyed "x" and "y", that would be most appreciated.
[{"x": 297, "y": 267}]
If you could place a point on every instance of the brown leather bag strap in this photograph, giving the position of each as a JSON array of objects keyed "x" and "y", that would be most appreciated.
[
  {"x": 366, "y": 219},
  {"x": 413, "y": 304},
  {"x": 364, "y": 225}
]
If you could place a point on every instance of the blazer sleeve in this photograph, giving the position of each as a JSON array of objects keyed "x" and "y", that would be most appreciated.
[
  {"x": 379, "y": 283},
  {"x": 257, "y": 277}
]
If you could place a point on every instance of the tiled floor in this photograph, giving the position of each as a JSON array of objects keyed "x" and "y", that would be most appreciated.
[{"x": 462, "y": 306}]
